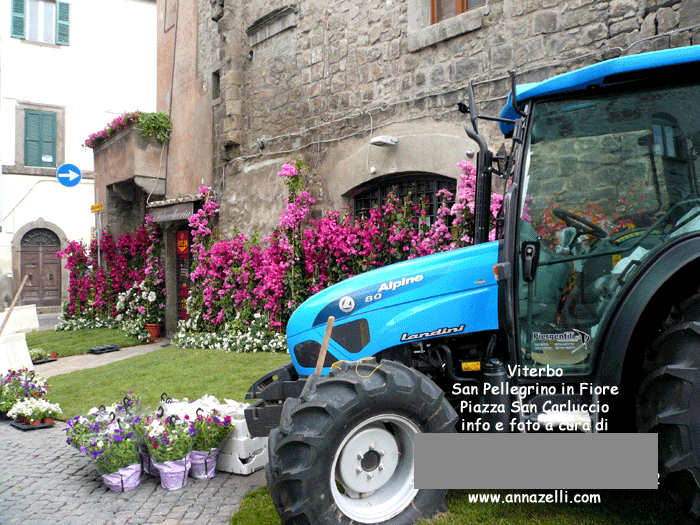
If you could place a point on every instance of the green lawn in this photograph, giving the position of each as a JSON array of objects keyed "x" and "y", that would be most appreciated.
[
  {"x": 617, "y": 507},
  {"x": 192, "y": 373},
  {"x": 178, "y": 373},
  {"x": 75, "y": 342}
]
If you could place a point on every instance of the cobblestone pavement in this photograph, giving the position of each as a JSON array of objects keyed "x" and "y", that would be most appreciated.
[{"x": 44, "y": 481}]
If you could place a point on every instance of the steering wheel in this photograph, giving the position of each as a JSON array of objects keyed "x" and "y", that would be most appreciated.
[{"x": 573, "y": 220}]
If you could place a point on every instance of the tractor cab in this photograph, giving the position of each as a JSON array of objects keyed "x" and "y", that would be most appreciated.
[{"x": 608, "y": 179}]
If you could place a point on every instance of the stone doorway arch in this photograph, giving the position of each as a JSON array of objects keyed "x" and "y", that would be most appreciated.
[{"x": 38, "y": 261}]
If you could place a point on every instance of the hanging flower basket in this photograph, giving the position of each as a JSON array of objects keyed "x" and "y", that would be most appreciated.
[
  {"x": 153, "y": 331},
  {"x": 173, "y": 474},
  {"x": 124, "y": 479},
  {"x": 203, "y": 463}
]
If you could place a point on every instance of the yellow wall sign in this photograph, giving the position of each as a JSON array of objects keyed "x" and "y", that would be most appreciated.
[{"x": 96, "y": 207}]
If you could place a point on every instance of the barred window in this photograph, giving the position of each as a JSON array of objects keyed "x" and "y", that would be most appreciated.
[{"x": 423, "y": 188}]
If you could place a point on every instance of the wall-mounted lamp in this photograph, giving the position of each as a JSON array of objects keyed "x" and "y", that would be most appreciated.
[
  {"x": 249, "y": 56},
  {"x": 384, "y": 140}
]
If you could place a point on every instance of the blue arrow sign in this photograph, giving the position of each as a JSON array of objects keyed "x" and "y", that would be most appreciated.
[{"x": 69, "y": 175}]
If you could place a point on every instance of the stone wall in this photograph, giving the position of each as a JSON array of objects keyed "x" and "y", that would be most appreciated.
[{"x": 317, "y": 79}]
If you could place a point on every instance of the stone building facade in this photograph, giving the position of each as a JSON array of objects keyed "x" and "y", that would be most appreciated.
[
  {"x": 251, "y": 84},
  {"x": 318, "y": 79}
]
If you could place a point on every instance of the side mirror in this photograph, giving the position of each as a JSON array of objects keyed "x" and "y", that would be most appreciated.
[{"x": 530, "y": 255}]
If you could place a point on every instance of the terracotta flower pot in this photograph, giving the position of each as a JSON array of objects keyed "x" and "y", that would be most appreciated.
[
  {"x": 47, "y": 421},
  {"x": 153, "y": 331}
]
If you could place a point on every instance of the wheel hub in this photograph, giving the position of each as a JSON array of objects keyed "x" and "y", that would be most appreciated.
[{"x": 368, "y": 460}]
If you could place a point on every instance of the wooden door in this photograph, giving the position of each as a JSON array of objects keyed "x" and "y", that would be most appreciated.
[{"x": 38, "y": 260}]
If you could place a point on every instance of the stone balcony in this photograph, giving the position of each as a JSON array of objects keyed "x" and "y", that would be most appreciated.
[{"x": 129, "y": 172}]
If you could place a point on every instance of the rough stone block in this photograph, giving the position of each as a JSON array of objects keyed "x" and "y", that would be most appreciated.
[
  {"x": 666, "y": 19},
  {"x": 545, "y": 22},
  {"x": 623, "y": 26},
  {"x": 622, "y": 8}
]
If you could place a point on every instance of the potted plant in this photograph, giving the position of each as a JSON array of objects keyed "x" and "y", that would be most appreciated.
[
  {"x": 19, "y": 384},
  {"x": 209, "y": 431},
  {"x": 169, "y": 445},
  {"x": 31, "y": 411},
  {"x": 116, "y": 457}
]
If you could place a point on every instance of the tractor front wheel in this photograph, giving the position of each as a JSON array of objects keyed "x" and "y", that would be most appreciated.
[{"x": 344, "y": 452}]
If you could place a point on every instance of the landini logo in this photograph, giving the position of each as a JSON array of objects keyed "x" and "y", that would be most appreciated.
[{"x": 434, "y": 333}]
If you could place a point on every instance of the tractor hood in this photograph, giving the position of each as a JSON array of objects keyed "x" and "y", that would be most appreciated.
[{"x": 438, "y": 295}]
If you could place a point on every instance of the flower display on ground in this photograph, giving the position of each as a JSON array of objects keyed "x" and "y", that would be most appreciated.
[{"x": 181, "y": 438}]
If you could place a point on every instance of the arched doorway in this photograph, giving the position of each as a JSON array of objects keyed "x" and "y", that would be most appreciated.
[{"x": 38, "y": 260}]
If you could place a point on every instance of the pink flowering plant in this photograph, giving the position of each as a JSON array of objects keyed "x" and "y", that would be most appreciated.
[
  {"x": 168, "y": 439},
  {"x": 209, "y": 430},
  {"x": 144, "y": 302},
  {"x": 245, "y": 288},
  {"x": 155, "y": 125},
  {"x": 96, "y": 291}
]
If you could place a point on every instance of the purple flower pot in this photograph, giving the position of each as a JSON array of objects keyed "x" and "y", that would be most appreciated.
[
  {"x": 203, "y": 463},
  {"x": 124, "y": 479},
  {"x": 173, "y": 474}
]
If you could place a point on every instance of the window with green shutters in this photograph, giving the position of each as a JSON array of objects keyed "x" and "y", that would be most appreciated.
[
  {"x": 46, "y": 21},
  {"x": 19, "y": 10},
  {"x": 40, "y": 139},
  {"x": 63, "y": 24}
]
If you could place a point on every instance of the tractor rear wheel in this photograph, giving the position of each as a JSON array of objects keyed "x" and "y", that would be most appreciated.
[
  {"x": 668, "y": 403},
  {"x": 344, "y": 452}
]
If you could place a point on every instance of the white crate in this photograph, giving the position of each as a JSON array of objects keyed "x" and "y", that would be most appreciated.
[
  {"x": 243, "y": 448},
  {"x": 237, "y": 465}
]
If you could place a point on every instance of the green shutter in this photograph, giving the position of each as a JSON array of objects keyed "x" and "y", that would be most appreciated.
[
  {"x": 63, "y": 24},
  {"x": 18, "y": 18},
  {"x": 39, "y": 139}
]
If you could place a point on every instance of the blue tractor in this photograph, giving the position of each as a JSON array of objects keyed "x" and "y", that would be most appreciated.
[{"x": 593, "y": 280}]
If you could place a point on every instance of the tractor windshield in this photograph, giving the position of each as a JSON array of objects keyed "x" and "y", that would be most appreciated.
[{"x": 609, "y": 179}]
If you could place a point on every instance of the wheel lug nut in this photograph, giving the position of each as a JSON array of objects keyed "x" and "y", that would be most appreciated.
[
  {"x": 382, "y": 453},
  {"x": 371, "y": 446},
  {"x": 369, "y": 476},
  {"x": 359, "y": 456},
  {"x": 380, "y": 467},
  {"x": 359, "y": 470}
]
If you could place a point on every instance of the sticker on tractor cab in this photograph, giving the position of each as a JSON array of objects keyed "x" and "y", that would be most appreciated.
[
  {"x": 371, "y": 295},
  {"x": 572, "y": 341}
]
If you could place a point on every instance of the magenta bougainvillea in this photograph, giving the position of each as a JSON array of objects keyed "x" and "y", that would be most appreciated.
[
  {"x": 235, "y": 280},
  {"x": 93, "y": 289}
]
